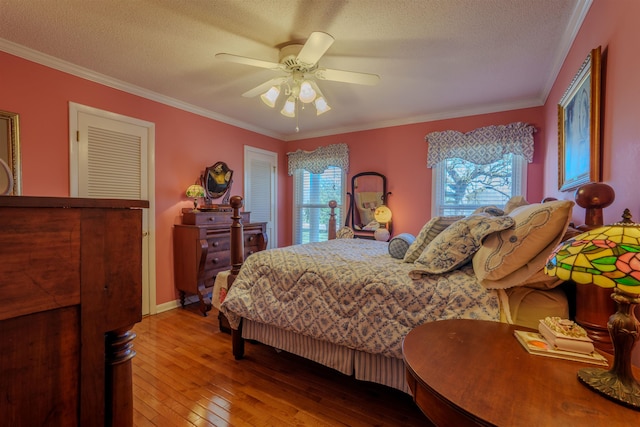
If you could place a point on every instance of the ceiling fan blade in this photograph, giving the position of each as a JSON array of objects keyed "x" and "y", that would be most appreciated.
[
  {"x": 249, "y": 61},
  {"x": 317, "y": 44},
  {"x": 347, "y": 76},
  {"x": 262, "y": 88}
]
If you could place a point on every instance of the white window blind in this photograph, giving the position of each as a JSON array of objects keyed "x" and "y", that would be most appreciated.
[{"x": 312, "y": 193}]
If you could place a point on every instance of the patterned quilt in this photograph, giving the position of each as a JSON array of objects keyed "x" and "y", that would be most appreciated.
[{"x": 351, "y": 292}]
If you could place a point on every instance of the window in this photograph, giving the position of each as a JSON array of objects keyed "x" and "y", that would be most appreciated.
[
  {"x": 461, "y": 186},
  {"x": 486, "y": 166},
  {"x": 318, "y": 177},
  {"x": 313, "y": 192}
]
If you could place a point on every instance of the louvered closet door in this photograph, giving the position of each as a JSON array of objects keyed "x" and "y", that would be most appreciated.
[
  {"x": 260, "y": 189},
  {"x": 110, "y": 159},
  {"x": 111, "y": 162}
]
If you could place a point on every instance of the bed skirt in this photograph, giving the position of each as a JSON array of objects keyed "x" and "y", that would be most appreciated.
[{"x": 363, "y": 366}]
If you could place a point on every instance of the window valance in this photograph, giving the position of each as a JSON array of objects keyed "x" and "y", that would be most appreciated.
[
  {"x": 483, "y": 145},
  {"x": 318, "y": 160}
]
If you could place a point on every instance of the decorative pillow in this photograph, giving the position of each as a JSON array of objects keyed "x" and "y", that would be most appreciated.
[
  {"x": 456, "y": 245},
  {"x": 510, "y": 257},
  {"x": 514, "y": 202},
  {"x": 539, "y": 280},
  {"x": 430, "y": 230},
  {"x": 399, "y": 244},
  {"x": 491, "y": 210},
  {"x": 344, "y": 233}
]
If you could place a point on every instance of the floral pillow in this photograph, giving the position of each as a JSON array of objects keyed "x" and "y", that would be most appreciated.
[
  {"x": 456, "y": 245},
  {"x": 430, "y": 230}
]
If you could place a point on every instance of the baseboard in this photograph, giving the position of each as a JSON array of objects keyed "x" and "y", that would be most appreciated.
[{"x": 170, "y": 305}]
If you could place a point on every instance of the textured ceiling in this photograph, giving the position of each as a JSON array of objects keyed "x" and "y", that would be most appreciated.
[{"x": 436, "y": 58}]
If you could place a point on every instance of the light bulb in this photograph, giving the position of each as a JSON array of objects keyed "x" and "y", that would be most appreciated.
[
  {"x": 270, "y": 96},
  {"x": 307, "y": 94},
  {"x": 321, "y": 106},
  {"x": 289, "y": 108}
]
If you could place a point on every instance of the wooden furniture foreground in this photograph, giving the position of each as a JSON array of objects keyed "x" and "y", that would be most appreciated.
[
  {"x": 472, "y": 372},
  {"x": 201, "y": 250},
  {"x": 71, "y": 290}
]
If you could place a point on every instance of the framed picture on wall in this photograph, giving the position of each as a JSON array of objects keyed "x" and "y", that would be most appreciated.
[{"x": 579, "y": 127}]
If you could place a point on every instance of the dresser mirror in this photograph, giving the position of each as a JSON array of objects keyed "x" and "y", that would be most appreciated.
[
  {"x": 10, "y": 182},
  {"x": 368, "y": 192},
  {"x": 217, "y": 180}
]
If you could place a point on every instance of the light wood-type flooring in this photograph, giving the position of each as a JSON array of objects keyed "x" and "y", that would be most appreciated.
[{"x": 185, "y": 375}]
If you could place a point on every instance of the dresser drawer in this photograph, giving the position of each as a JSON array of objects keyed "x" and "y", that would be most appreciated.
[
  {"x": 218, "y": 259},
  {"x": 211, "y": 218},
  {"x": 218, "y": 242}
]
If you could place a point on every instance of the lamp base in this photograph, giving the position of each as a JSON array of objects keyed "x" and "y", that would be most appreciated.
[
  {"x": 610, "y": 385},
  {"x": 618, "y": 383}
]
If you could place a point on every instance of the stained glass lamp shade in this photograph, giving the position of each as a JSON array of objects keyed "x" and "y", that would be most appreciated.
[
  {"x": 194, "y": 192},
  {"x": 609, "y": 257}
]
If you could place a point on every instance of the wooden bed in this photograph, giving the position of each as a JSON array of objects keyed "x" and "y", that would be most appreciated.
[{"x": 488, "y": 295}]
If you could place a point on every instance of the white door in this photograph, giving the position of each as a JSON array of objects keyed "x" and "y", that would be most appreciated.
[
  {"x": 111, "y": 156},
  {"x": 260, "y": 172}
]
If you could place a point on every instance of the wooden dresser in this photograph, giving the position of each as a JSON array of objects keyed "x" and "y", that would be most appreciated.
[
  {"x": 201, "y": 250},
  {"x": 71, "y": 290}
]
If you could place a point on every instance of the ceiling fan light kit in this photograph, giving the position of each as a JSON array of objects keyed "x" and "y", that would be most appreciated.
[
  {"x": 300, "y": 62},
  {"x": 271, "y": 96},
  {"x": 289, "y": 109}
]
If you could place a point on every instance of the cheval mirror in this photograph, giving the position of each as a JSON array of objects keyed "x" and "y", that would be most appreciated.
[
  {"x": 217, "y": 180},
  {"x": 368, "y": 192}
]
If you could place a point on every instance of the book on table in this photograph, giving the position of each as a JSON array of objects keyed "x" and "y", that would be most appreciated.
[
  {"x": 535, "y": 343},
  {"x": 565, "y": 335}
]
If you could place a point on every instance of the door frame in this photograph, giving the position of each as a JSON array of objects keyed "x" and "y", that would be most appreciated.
[
  {"x": 148, "y": 235},
  {"x": 248, "y": 150}
]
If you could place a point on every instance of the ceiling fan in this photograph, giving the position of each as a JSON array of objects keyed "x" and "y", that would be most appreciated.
[{"x": 300, "y": 63}]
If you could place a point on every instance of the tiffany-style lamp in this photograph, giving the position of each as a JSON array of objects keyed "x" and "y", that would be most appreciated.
[
  {"x": 609, "y": 257},
  {"x": 194, "y": 192}
]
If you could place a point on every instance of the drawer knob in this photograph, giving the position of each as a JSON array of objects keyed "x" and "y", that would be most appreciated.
[
  {"x": 211, "y": 219},
  {"x": 250, "y": 252},
  {"x": 215, "y": 260},
  {"x": 216, "y": 243},
  {"x": 250, "y": 238}
]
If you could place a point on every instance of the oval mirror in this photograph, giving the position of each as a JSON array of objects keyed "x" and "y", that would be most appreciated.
[
  {"x": 10, "y": 154},
  {"x": 217, "y": 182}
]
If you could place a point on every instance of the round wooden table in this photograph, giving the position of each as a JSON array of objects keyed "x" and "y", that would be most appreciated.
[{"x": 473, "y": 372}]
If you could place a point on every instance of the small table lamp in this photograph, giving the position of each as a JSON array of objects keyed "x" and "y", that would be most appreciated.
[
  {"x": 194, "y": 192},
  {"x": 609, "y": 257},
  {"x": 382, "y": 215}
]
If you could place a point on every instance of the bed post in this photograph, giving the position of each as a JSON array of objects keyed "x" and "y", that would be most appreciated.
[
  {"x": 593, "y": 303},
  {"x": 237, "y": 258},
  {"x": 332, "y": 219}
]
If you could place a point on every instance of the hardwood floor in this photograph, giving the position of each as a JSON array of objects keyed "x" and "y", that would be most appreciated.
[{"x": 185, "y": 375}]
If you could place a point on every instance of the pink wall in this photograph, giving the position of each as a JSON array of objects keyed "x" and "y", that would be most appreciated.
[
  {"x": 185, "y": 144},
  {"x": 400, "y": 153},
  {"x": 41, "y": 95},
  {"x": 614, "y": 26}
]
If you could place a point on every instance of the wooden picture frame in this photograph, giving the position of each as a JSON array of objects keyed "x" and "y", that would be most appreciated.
[
  {"x": 10, "y": 152},
  {"x": 579, "y": 127}
]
